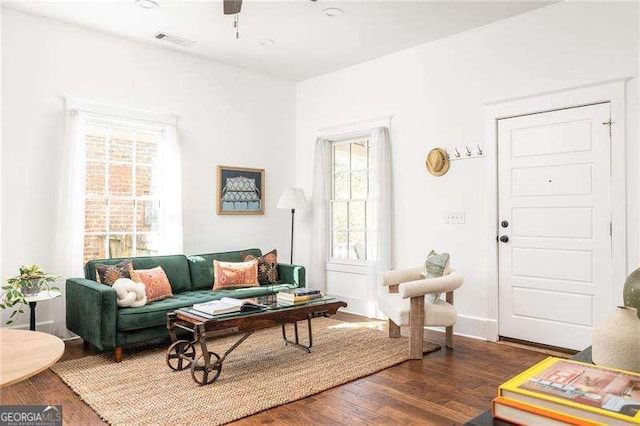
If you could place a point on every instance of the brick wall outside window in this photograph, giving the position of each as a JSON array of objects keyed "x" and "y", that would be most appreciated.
[{"x": 122, "y": 198}]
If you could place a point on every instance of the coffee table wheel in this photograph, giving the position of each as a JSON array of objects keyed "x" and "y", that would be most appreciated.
[
  {"x": 204, "y": 375},
  {"x": 180, "y": 355}
]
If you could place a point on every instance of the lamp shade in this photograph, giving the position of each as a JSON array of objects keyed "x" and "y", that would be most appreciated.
[{"x": 293, "y": 198}]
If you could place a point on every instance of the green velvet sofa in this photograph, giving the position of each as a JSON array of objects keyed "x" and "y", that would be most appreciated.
[{"x": 92, "y": 312}]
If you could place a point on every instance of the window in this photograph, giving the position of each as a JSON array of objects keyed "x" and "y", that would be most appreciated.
[
  {"x": 349, "y": 193},
  {"x": 122, "y": 202}
]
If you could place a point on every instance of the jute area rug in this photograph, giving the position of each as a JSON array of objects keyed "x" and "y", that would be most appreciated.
[{"x": 261, "y": 373}]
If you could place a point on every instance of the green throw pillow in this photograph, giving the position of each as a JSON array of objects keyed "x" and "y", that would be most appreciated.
[{"x": 436, "y": 265}]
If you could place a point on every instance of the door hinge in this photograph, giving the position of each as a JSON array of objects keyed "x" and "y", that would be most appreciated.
[{"x": 611, "y": 229}]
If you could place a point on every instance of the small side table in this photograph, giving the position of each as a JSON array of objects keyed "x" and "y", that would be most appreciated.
[{"x": 40, "y": 297}]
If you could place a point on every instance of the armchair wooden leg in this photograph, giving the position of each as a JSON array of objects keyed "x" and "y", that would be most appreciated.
[
  {"x": 86, "y": 345},
  {"x": 416, "y": 325},
  {"x": 449, "y": 330},
  {"x": 394, "y": 329},
  {"x": 117, "y": 354}
]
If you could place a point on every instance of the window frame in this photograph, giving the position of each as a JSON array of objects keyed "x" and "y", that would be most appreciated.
[
  {"x": 348, "y": 262},
  {"x": 110, "y": 123}
]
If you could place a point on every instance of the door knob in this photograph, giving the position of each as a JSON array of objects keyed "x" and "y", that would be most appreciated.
[{"x": 504, "y": 238}]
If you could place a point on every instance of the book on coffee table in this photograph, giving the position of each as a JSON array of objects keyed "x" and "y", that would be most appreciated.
[
  {"x": 228, "y": 305},
  {"x": 298, "y": 295},
  {"x": 291, "y": 298},
  {"x": 585, "y": 392},
  {"x": 526, "y": 414},
  {"x": 297, "y": 292}
]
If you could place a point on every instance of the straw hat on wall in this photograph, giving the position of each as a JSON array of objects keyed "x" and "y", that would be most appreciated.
[{"x": 437, "y": 162}]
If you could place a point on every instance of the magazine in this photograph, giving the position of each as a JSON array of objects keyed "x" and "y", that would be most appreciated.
[{"x": 228, "y": 305}]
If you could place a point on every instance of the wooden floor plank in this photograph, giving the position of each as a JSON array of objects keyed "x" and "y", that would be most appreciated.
[{"x": 445, "y": 387}]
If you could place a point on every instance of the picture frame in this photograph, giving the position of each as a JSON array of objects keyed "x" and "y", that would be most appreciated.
[{"x": 240, "y": 191}]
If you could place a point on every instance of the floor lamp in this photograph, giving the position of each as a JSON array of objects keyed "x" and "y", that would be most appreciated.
[{"x": 292, "y": 198}]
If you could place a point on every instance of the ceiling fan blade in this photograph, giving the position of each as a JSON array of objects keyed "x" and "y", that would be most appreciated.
[{"x": 232, "y": 7}]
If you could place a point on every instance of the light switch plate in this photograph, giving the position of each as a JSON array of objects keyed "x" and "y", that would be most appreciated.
[{"x": 455, "y": 217}]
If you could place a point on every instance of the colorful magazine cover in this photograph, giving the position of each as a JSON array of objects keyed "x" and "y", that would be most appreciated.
[{"x": 590, "y": 385}]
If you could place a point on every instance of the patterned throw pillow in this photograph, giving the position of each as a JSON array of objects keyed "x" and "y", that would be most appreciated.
[
  {"x": 235, "y": 274},
  {"x": 267, "y": 267},
  {"x": 436, "y": 265},
  {"x": 109, "y": 274},
  {"x": 156, "y": 283}
]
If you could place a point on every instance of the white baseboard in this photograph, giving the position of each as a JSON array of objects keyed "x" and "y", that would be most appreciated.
[
  {"x": 477, "y": 328},
  {"x": 354, "y": 306}
]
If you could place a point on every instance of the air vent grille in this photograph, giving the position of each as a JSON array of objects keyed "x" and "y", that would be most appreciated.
[{"x": 179, "y": 41}]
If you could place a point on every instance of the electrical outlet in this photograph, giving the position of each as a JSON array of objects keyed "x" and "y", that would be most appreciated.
[{"x": 455, "y": 217}]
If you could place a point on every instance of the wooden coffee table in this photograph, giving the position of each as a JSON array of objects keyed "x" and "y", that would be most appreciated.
[{"x": 206, "y": 368}]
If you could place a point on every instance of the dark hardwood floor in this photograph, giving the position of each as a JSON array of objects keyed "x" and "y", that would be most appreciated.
[{"x": 446, "y": 387}]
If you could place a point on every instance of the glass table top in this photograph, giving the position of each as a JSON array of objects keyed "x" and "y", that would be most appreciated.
[{"x": 269, "y": 303}]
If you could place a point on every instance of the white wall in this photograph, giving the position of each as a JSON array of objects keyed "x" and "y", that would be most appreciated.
[
  {"x": 227, "y": 116},
  {"x": 435, "y": 93},
  {"x": 1, "y": 150}
]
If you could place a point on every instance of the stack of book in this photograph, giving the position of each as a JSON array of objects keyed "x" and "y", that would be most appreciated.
[
  {"x": 559, "y": 392},
  {"x": 298, "y": 295}
]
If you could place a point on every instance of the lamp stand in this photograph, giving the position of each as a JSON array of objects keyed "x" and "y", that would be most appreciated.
[{"x": 293, "y": 212}]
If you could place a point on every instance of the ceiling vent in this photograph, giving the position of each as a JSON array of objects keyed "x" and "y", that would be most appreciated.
[{"x": 179, "y": 41}]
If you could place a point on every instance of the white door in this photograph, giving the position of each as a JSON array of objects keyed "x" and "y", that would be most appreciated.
[{"x": 554, "y": 177}]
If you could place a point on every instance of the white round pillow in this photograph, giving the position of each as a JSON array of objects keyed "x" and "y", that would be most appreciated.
[{"x": 129, "y": 293}]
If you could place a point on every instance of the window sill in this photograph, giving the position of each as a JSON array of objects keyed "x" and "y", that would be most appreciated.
[{"x": 346, "y": 266}]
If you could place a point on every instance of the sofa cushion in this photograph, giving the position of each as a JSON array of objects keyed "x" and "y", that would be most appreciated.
[
  {"x": 156, "y": 283},
  {"x": 267, "y": 267},
  {"x": 176, "y": 267},
  {"x": 109, "y": 274},
  {"x": 155, "y": 314},
  {"x": 235, "y": 274},
  {"x": 201, "y": 265}
]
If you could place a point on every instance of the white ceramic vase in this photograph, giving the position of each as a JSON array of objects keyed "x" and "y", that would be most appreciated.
[{"x": 616, "y": 342}]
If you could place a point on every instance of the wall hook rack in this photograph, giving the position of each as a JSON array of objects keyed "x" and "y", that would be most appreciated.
[{"x": 456, "y": 152}]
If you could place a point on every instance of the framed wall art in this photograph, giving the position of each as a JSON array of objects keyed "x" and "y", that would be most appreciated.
[{"x": 240, "y": 190}]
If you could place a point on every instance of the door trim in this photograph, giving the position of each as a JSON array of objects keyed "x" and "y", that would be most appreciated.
[{"x": 611, "y": 91}]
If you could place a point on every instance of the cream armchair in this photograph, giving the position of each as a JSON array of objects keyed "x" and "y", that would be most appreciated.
[{"x": 402, "y": 299}]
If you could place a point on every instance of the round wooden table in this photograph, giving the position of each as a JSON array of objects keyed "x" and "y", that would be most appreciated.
[{"x": 26, "y": 353}]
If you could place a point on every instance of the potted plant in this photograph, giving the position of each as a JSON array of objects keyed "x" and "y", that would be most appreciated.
[{"x": 30, "y": 282}]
